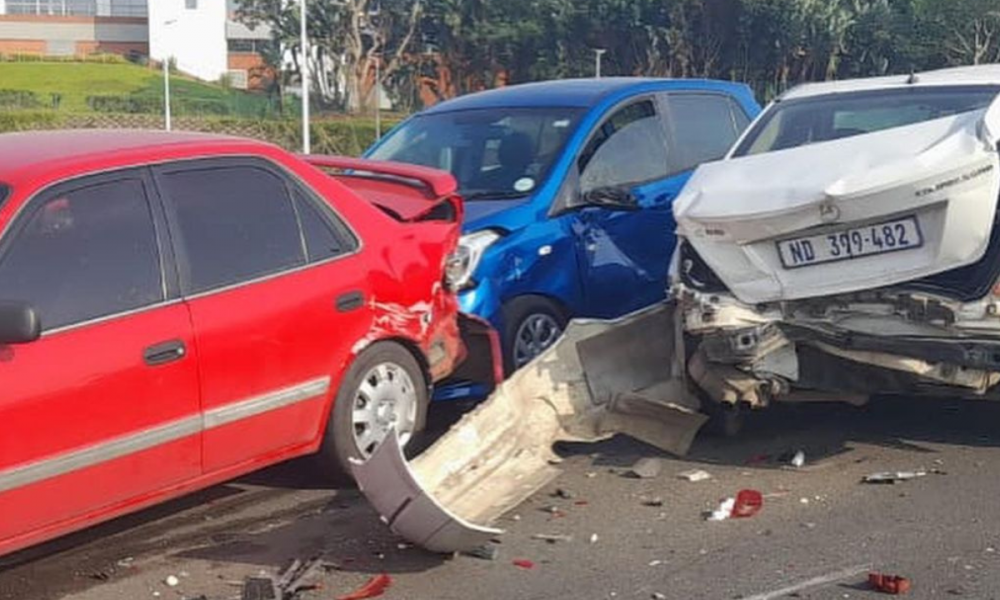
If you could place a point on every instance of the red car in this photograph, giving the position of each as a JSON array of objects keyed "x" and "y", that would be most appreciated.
[{"x": 180, "y": 309}]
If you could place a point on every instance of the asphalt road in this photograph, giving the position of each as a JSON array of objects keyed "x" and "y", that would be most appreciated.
[{"x": 818, "y": 535}]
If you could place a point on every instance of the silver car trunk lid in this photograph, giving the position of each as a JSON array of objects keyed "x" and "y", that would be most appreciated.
[{"x": 783, "y": 225}]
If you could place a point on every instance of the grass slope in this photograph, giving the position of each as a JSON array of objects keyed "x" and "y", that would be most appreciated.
[{"x": 74, "y": 81}]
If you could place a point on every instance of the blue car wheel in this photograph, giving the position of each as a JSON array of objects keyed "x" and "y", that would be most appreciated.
[{"x": 533, "y": 324}]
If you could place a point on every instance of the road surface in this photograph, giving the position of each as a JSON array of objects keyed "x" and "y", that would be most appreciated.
[{"x": 820, "y": 531}]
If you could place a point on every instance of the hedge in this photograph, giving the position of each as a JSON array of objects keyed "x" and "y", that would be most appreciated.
[
  {"x": 345, "y": 136},
  {"x": 23, "y": 121},
  {"x": 19, "y": 99}
]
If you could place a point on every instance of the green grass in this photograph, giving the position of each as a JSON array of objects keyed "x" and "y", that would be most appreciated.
[{"x": 74, "y": 82}]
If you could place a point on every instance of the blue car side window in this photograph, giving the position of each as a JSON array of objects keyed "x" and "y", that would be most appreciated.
[
  {"x": 704, "y": 127},
  {"x": 628, "y": 148}
]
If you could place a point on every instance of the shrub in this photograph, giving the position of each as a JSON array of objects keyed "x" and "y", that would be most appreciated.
[
  {"x": 24, "y": 121},
  {"x": 19, "y": 99},
  {"x": 125, "y": 104}
]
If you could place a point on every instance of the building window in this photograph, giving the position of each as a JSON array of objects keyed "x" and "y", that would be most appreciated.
[
  {"x": 78, "y": 8},
  {"x": 245, "y": 46}
]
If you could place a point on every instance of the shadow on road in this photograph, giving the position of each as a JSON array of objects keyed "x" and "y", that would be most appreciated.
[
  {"x": 823, "y": 431},
  {"x": 290, "y": 513}
]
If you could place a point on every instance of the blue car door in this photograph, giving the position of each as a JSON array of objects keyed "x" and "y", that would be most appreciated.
[{"x": 643, "y": 152}]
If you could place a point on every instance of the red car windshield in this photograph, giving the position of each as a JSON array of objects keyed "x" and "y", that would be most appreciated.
[{"x": 4, "y": 192}]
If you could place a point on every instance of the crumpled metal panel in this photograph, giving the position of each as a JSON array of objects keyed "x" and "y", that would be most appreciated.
[{"x": 602, "y": 378}]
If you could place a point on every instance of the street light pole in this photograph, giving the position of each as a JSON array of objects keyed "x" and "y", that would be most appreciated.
[
  {"x": 303, "y": 33},
  {"x": 166, "y": 82},
  {"x": 378, "y": 97},
  {"x": 598, "y": 53},
  {"x": 166, "y": 93}
]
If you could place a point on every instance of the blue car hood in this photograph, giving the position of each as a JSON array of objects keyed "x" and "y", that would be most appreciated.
[{"x": 484, "y": 213}]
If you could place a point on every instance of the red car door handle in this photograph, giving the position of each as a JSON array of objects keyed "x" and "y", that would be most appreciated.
[
  {"x": 164, "y": 353},
  {"x": 350, "y": 301}
]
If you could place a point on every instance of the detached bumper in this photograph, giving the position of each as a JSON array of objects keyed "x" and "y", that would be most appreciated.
[{"x": 602, "y": 378}]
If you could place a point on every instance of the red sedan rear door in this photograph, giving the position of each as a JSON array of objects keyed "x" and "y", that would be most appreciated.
[
  {"x": 104, "y": 408},
  {"x": 278, "y": 295}
]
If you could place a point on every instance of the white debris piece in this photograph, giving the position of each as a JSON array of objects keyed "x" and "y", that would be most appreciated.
[
  {"x": 724, "y": 511},
  {"x": 695, "y": 475}
]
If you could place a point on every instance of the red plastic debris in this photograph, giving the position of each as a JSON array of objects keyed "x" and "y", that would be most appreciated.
[
  {"x": 748, "y": 503},
  {"x": 889, "y": 584},
  {"x": 376, "y": 586},
  {"x": 581, "y": 503},
  {"x": 524, "y": 563}
]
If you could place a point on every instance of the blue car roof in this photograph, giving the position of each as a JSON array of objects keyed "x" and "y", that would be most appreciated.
[{"x": 582, "y": 93}]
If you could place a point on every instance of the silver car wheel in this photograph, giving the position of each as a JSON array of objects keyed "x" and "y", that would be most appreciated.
[{"x": 385, "y": 399}]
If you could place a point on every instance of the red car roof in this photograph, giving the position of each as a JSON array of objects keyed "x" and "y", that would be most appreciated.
[{"x": 41, "y": 152}]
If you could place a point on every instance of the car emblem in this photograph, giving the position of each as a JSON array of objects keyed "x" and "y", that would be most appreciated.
[{"x": 829, "y": 213}]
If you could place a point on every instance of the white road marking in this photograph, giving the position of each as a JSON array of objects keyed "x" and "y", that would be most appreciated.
[{"x": 811, "y": 583}]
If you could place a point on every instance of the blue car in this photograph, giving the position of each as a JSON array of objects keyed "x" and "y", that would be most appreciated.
[{"x": 568, "y": 188}]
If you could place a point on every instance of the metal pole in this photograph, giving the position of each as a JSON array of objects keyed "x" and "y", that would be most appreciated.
[
  {"x": 378, "y": 97},
  {"x": 166, "y": 92},
  {"x": 306, "y": 142},
  {"x": 598, "y": 53},
  {"x": 166, "y": 79}
]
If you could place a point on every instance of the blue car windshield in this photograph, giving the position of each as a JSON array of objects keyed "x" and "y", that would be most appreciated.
[{"x": 494, "y": 153}]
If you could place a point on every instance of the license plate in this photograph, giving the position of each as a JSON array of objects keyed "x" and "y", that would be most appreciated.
[{"x": 857, "y": 242}]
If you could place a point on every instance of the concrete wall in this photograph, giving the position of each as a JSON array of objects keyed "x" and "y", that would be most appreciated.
[
  {"x": 66, "y": 36},
  {"x": 195, "y": 38},
  {"x": 76, "y": 29}
]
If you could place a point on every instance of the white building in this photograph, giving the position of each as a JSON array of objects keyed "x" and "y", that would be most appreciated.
[{"x": 201, "y": 36}]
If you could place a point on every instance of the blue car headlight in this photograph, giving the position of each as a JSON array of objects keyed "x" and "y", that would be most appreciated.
[{"x": 462, "y": 264}]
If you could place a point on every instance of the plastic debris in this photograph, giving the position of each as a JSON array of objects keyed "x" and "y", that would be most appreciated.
[
  {"x": 287, "y": 585},
  {"x": 893, "y": 476},
  {"x": 486, "y": 552},
  {"x": 552, "y": 538},
  {"x": 747, "y": 503},
  {"x": 594, "y": 538},
  {"x": 889, "y": 584},
  {"x": 724, "y": 511},
  {"x": 799, "y": 460},
  {"x": 654, "y": 502},
  {"x": 695, "y": 475},
  {"x": 259, "y": 588},
  {"x": 376, "y": 586},
  {"x": 646, "y": 468},
  {"x": 564, "y": 494},
  {"x": 658, "y": 596},
  {"x": 172, "y": 581},
  {"x": 523, "y": 563}
]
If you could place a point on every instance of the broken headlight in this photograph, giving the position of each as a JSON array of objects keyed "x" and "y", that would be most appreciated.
[
  {"x": 463, "y": 262},
  {"x": 695, "y": 274}
]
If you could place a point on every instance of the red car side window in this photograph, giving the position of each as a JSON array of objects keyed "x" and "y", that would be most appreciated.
[
  {"x": 236, "y": 223},
  {"x": 85, "y": 254}
]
